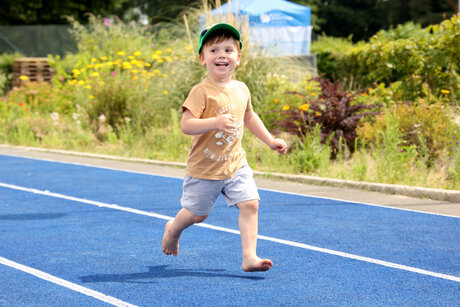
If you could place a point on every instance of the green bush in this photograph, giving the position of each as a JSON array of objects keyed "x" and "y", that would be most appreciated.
[
  {"x": 428, "y": 127},
  {"x": 6, "y": 71}
]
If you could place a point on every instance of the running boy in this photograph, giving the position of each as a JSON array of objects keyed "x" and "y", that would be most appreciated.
[{"x": 215, "y": 113}]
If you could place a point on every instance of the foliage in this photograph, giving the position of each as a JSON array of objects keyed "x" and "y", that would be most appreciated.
[
  {"x": 334, "y": 110},
  {"x": 427, "y": 127},
  {"x": 6, "y": 71},
  {"x": 414, "y": 63},
  {"x": 33, "y": 12}
]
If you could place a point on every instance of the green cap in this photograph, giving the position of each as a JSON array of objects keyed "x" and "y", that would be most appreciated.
[{"x": 218, "y": 26}]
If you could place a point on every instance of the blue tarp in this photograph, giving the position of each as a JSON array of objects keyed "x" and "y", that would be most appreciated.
[
  {"x": 277, "y": 27},
  {"x": 268, "y": 12}
]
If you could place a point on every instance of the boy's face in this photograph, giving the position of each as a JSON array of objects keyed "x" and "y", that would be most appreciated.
[{"x": 220, "y": 59}]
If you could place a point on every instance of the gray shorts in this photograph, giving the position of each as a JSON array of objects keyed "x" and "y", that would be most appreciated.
[{"x": 199, "y": 195}]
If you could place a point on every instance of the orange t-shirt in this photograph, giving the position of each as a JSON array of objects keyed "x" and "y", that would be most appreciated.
[{"x": 216, "y": 155}]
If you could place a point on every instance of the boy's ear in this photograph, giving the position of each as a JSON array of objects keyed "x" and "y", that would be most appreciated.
[
  {"x": 238, "y": 59},
  {"x": 201, "y": 58}
]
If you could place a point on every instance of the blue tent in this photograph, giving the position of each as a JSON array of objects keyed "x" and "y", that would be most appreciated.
[{"x": 279, "y": 27}]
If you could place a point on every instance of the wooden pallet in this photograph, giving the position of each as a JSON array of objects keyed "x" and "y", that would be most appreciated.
[{"x": 35, "y": 69}]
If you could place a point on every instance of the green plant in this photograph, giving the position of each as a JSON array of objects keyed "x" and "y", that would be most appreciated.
[{"x": 334, "y": 110}]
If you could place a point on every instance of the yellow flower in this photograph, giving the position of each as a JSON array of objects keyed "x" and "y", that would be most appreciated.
[
  {"x": 169, "y": 50},
  {"x": 91, "y": 97},
  {"x": 156, "y": 71},
  {"x": 317, "y": 114},
  {"x": 308, "y": 87},
  {"x": 81, "y": 82},
  {"x": 147, "y": 64},
  {"x": 165, "y": 92},
  {"x": 188, "y": 47},
  {"x": 90, "y": 66},
  {"x": 445, "y": 91},
  {"x": 275, "y": 100},
  {"x": 23, "y": 78},
  {"x": 137, "y": 53},
  {"x": 76, "y": 71},
  {"x": 88, "y": 86},
  {"x": 168, "y": 59},
  {"x": 98, "y": 65},
  {"x": 131, "y": 57},
  {"x": 104, "y": 58},
  {"x": 101, "y": 82},
  {"x": 135, "y": 77},
  {"x": 134, "y": 71},
  {"x": 165, "y": 75},
  {"x": 93, "y": 60},
  {"x": 314, "y": 94},
  {"x": 95, "y": 74},
  {"x": 73, "y": 81},
  {"x": 159, "y": 52},
  {"x": 304, "y": 107},
  {"x": 160, "y": 60},
  {"x": 122, "y": 53},
  {"x": 286, "y": 107},
  {"x": 155, "y": 56}
]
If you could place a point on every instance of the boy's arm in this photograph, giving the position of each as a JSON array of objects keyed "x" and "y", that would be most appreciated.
[
  {"x": 253, "y": 122},
  {"x": 192, "y": 125}
]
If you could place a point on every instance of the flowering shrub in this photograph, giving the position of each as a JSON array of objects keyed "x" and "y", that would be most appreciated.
[{"x": 334, "y": 110}]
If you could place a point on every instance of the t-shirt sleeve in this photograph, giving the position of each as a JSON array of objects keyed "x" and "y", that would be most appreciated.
[{"x": 196, "y": 101}]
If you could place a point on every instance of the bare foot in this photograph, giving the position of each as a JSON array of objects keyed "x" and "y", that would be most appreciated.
[
  {"x": 170, "y": 244},
  {"x": 256, "y": 264}
]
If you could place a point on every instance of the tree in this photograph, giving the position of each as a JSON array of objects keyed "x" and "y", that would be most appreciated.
[
  {"x": 33, "y": 12},
  {"x": 363, "y": 18}
]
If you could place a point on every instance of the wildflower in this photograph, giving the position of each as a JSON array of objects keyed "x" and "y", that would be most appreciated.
[
  {"x": 88, "y": 86},
  {"x": 98, "y": 65},
  {"x": 147, "y": 64},
  {"x": 165, "y": 75},
  {"x": 90, "y": 66},
  {"x": 168, "y": 59},
  {"x": 55, "y": 116},
  {"x": 135, "y": 77},
  {"x": 122, "y": 53},
  {"x": 113, "y": 73},
  {"x": 159, "y": 52},
  {"x": 81, "y": 82},
  {"x": 275, "y": 100},
  {"x": 160, "y": 60},
  {"x": 286, "y": 107},
  {"x": 165, "y": 92},
  {"x": 102, "y": 118},
  {"x": 23, "y": 78},
  {"x": 168, "y": 50},
  {"x": 314, "y": 94},
  {"x": 304, "y": 107},
  {"x": 317, "y": 114},
  {"x": 21, "y": 104},
  {"x": 76, "y": 71},
  {"x": 131, "y": 57},
  {"x": 95, "y": 74},
  {"x": 101, "y": 82},
  {"x": 107, "y": 22},
  {"x": 94, "y": 60},
  {"x": 91, "y": 96},
  {"x": 308, "y": 87},
  {"x": 134, "y": 71},
  {"x": 104, "y": 58},
  {"x": 445, "y": 91},
  {"x": 137, "y": 53},
  {"x": 188, "y": 48}
]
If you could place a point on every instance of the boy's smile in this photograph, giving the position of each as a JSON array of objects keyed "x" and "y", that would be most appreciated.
[{"x": 220, "y": 59}]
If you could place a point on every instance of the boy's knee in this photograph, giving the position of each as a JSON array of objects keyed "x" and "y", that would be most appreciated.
[
  {"x": 250, "y": 205},
  {"x": 198, "y": 218}
]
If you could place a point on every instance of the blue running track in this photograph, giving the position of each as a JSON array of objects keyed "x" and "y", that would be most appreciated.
[{"x": 75, "y": 235}]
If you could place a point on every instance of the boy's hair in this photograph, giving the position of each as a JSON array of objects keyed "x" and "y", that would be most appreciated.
[{"x": 219, "y": 32}]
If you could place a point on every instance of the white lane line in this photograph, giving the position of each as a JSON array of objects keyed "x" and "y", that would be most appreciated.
[
  {"x": 67, "y": 284},
  {"x": 180, "y": 178},
  {"x": 223, "y": 229}
]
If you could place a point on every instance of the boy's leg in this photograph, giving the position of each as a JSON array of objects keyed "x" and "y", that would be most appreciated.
[
  {"x": 174, "y": 228},
  {"x": 248, "y": 223}
]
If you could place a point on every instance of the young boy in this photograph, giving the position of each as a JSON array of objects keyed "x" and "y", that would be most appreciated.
[{"x": 215, "y": 113}]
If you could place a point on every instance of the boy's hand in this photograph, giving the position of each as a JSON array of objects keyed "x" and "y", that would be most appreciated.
[
  {"x": 279, "y": 145},
  {"x": 227, "y": 123}
]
